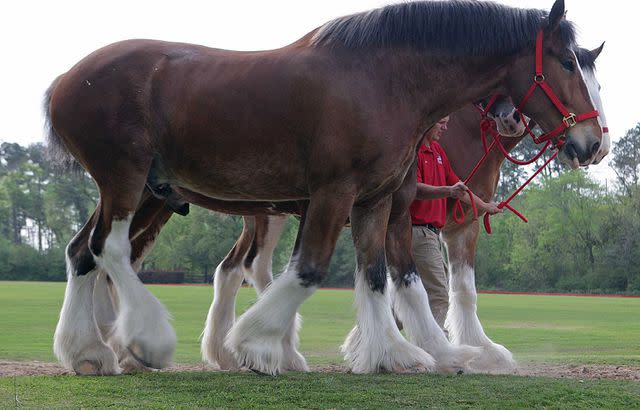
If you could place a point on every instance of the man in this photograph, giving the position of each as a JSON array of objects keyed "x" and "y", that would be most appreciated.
[{"x": 436, "y": 182}]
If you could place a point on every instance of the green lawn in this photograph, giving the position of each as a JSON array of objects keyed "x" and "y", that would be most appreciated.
[
  {"x": 539, "y": 328},
  {"x": 314, "y": 390},
  {"x": 536, "y": 328}
]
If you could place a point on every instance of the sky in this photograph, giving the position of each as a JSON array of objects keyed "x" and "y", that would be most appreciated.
[{"x": 41, "y": 39}]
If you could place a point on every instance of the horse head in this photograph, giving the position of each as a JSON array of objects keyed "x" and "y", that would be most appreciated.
[
  {"x": 504, "y": 113},
  {"x": 552, "y": 90}
]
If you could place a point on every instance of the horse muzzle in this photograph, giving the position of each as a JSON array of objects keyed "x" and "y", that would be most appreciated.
[{"x": 580, "y": 149}]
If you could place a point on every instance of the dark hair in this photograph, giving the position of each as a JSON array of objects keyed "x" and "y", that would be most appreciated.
[{"x": 470, "y": 28}]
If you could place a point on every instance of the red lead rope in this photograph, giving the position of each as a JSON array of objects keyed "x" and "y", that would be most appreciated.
[{"x": 488, "y": 126}]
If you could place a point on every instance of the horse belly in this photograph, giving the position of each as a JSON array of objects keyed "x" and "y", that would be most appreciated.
[{"x": 238, "y": 173}]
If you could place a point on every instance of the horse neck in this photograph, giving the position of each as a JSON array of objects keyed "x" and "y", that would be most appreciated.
[
  {"x": 464, "y": 148},
  {"x": 439, "y": 84}
]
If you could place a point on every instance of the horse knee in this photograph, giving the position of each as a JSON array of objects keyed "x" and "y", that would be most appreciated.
[
  {"x": 376, "y": 273},
  {"x": 311, "y": 277}
]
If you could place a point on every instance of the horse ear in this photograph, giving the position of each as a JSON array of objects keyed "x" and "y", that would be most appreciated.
[
  {"x": 596, "y": 52},
  {"x": 556, "y": 15}
]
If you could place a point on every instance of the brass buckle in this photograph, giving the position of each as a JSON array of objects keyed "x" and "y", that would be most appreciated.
[{"x": 570, "y": 120}]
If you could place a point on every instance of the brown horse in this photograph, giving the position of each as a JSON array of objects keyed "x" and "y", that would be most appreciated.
[
  {"x": 334, "y": 119},
  {"x": 250, "y": 258}
]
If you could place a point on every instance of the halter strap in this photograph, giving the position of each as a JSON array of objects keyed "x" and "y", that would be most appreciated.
[{"x": 569, "y": 119}]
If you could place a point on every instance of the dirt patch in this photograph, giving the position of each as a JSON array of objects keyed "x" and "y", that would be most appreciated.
[
  {"x": 582, "y": 372},
  {"x": 576, "y": 371}
]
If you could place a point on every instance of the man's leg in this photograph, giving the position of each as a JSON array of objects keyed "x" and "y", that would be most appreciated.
[{"x": 427, "y": 252}]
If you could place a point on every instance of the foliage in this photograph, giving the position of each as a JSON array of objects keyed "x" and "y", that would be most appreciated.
[{"x": 626, "y": 161}]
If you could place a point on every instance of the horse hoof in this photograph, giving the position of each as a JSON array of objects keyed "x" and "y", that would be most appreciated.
[
  {"x": 419, "y": 369},
  {"x": 496, "y": 359},
  {"x": 259, "y": 373},
  {"x": 87, "y": 368},
  {"x": 154, "y": 359},
  {"x": 131, "y": 365},
  {"x": 93, "y": 368}
]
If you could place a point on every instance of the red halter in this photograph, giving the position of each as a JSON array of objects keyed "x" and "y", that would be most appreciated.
[
  {"x": 488, "y": 126},
  {"x": 569, "y": 119}
]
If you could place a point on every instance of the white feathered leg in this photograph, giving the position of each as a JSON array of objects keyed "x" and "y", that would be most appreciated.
[
  {"x": 375, "y": 343},
  {"x": 256, "y": 338},
  {"x": 77, "y": 340},
  {"x": 464, "y": 325},
  {"x": 142, "y": 324},
  {"x": 221, "y": 317},
  {"x": 261, "y": 276},
  {"x": 411, "y": 305}
]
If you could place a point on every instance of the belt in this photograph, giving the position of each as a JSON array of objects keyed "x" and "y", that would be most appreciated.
[{"x": 429, "y": 227}]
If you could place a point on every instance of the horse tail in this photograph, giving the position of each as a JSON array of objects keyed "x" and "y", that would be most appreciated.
[{"x": 57, "y": 152}]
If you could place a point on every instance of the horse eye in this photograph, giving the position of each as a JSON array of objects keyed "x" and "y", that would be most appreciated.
[{"x": 568, "y": 65}]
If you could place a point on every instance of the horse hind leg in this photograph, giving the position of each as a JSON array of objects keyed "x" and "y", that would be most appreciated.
[
  {"x": 462, "y": 320},
  {"x": 78, "y": 342},
  {"x": 142, "y": 324},
  {"x": 147, "y": 222},
  {"x": 221, "y": 317}
]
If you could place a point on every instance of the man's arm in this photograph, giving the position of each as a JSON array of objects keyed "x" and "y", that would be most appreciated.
[
  {"x": 483, "y": 207},
  {"x": 425, "y": 191},
  {"x": 456, "y": 191}
]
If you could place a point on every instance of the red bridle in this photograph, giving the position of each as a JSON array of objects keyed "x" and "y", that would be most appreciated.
[
  {"x": 488, "y": 126},
  {"x": 569, "y": 119}
]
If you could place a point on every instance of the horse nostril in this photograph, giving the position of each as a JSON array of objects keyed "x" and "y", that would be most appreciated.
[
  {"x": 516, "y": 116},
  {"x": 570, "y": 150},
  {"x": 595, "y": 148}
]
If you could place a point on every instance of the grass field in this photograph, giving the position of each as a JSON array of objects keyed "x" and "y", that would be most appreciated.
[{"x": 535, "y": 328}]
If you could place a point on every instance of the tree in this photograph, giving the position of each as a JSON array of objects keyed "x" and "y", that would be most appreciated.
[{"x": 626, "y": 160}]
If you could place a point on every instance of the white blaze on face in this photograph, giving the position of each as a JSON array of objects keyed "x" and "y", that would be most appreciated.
[
  {"x": 590, "y": 80},
  {"x": 594, "y": 91}
]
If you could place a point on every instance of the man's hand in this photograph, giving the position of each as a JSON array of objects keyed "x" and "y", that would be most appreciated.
[
  {"x": 457, "y": 191},
  {"x": 492, "y": 208}
]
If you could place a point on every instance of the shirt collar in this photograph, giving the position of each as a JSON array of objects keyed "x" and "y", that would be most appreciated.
[{"x": 427, "y": 148}]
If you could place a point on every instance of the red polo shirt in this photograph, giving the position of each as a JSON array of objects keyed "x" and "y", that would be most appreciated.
[{"x": 433, "y": 169}]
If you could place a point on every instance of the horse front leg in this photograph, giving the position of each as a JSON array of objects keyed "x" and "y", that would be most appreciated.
[
  {"x": 257, "y": 337},
  {"x": 375, "y": 343},
  {"x": 258, "y": 270},
  {"x": 462, "y": 320},
  {"x": 409, "y": 297}
]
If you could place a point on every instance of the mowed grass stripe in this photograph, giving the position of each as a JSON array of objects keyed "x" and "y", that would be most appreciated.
[
  {"x": 540, "y": 328},
  {"x": 314, "y": 391}
]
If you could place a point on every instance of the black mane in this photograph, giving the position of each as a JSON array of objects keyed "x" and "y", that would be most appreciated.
[{"x": 471, "y": 28}]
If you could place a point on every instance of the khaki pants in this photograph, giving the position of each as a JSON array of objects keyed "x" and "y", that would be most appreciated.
[{"x": 429, "y": 254}]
